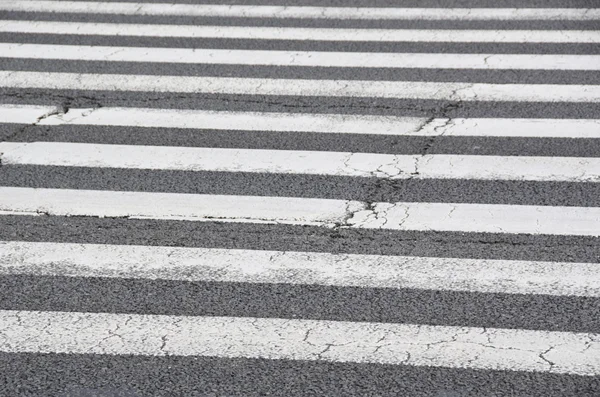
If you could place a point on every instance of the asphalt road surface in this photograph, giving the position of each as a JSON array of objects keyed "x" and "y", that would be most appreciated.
[{"x": 315, "y": 198}]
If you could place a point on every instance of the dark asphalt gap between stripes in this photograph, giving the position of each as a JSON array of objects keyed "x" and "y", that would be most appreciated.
[
  {"x": 304, "y": 45},
  {"x": 94, "y": 230},
  {"x": 306, "y": 186},
  {"x": 310, "y": 141},
  {"x": 302, "y": 22},
  {"x": 316, "y": 302},
  {"x": 507, "y": 76},
  {"x": 304, "y": 104},
  {"x": 60, "y": 375}
]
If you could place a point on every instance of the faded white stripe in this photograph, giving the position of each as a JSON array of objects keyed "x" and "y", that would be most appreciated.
[
  {"x": 337, "y": 341},
  {"x": 302, "y": 58},
  {"x": 310, "y": 34},
  {"x": 575, "y": 169},
  {"x": 485, "y": 218},
  {"x": 303, "y": 122},
  {"x": 258, "y": 11},
  {"x": 254, "y": 121},
  {"x": 288, "y": 267},
  {"x": 295, "y": 87}
]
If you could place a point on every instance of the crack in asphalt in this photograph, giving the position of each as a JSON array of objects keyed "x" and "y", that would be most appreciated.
[
  {"x": 59, "y": 110},
  {"x": 370, "y": 209}
]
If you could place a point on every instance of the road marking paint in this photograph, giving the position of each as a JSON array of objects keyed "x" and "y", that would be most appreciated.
[
  {"x": 177, "y": 206},
  {"x": 527, "y": 128},
  {"x": 296, "y": 87},
  {"x": 482, "y": 218},
  {"x": 255, "y": 121},
  {"x": 25, "y": 114},
  {"x": 305, "y": 122},
  {"x": 308, "y": 34},
  {"x": 302, "y": 58},
  {"x": 257, "y": 11},
  {"x": 301, "y": 268},
  {"x": 575, "y": 169},
  {"x": 289, "y": 339}
]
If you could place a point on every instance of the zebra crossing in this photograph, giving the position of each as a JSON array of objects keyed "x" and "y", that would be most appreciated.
[{"x": 274, "y": 198}]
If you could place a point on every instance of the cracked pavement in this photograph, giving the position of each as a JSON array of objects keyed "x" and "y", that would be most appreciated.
[
  {"x": 418, "y": 345},
  {"x": 300, "y": 200}
]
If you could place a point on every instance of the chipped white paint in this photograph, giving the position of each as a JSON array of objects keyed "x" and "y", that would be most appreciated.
[
  {"x": 306, "y": 122},
  {"x": 336, "y": 341},
  {"x": 191, "y": 207},
  {"x": 301, "y": 58},
  {"x": 490, "y": 218},
  {"x": 528, "y": 128},
  {"x": 211, "y": 159},
  {"x": 309, "y": 34},
  {"x": 304, "y": 268},
  {"x": 250, "y": 121},
  {"x": 486, "y": 218},
  {"x": 298, "y": 87},
  {"x": 25, "y": 114},
  {"x": 259, "y": 11},
  {"x": 575, "y": 169},
  {"x": 524, "y": 168}
]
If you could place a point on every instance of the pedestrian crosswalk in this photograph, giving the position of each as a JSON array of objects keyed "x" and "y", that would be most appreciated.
[{"x": 284, "y": 199}]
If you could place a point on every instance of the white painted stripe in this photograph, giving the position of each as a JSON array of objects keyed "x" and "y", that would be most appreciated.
[
  {"x": 530, "y": 128},
  {"x": 249, "y": 121},
  {"x": 190, "y": 207},
  {"x": 301, "y": 268},
  {"x": 302, "y": 58},
  {"x": 486, "y": 218},
  {"x": 337, "y": 341},
  {"x": 24, "y": 114},
  {"x": 302, "y": 122},
  {"x": 313, "y": 34},
  {"x": 298, "y": 87},
  {"x": 575, "y": 169},
  {"x": 257, "y": 11}
]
